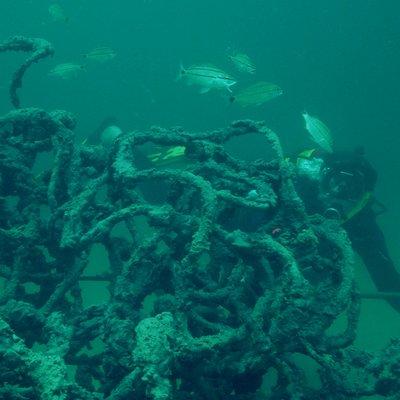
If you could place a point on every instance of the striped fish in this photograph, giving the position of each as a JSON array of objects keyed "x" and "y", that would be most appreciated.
[
  {"x": 257, "y": 94},
  {"x": 319, "y": 132},
  {"x": 207, "y": 77},
  {"x": 66, "y": 70},
  {"x": 101, "y": 54},
  {"x": 243, "y": 63}
]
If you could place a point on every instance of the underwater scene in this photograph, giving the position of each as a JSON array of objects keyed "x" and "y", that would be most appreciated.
[{"x": 199, "y": 200}]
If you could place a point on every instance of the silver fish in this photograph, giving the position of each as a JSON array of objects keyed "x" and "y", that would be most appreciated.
[
  {"x": 66, "y": 70},
  {"x": 207, "y": 76},
  {"x": 319, "y": 132},
  {"x": 101, "y": 54},
  {"x": 243, "y": 63}
]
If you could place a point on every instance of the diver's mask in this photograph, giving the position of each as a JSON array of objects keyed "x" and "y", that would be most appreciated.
[
  {"x": 343, "y": 184},
  {"x": 344, "y": 192}
]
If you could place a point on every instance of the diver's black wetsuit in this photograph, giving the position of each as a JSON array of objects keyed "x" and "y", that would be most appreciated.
[
  {"x": 369, "y": 242},
  {"x": 345, "y": 177}
]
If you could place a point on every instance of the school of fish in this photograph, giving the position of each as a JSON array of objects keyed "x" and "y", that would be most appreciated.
[{"x": 205, "y": 76}]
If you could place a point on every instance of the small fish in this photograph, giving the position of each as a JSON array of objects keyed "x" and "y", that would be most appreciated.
[
  {"x": 319, "y": 132},
  {"x": 101, "y": 54},
  {"x": 207, "y": 76},
  {"x": 57, "y": 13},
  {"x": 257, "y": 94},
  {"x": 66, "y": 70},
  {"x": 167, "y": 155},
  {"x": 243, "y": 63}
]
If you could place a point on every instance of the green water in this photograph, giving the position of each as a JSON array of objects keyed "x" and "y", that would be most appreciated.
[{"x": 336, "y": 59}]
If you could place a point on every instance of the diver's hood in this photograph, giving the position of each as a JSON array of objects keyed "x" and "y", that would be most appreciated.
[{"x": 350, "y": 168}]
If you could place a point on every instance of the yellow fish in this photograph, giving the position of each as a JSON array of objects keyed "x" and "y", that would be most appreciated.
[{"x": 168, "y": 155}]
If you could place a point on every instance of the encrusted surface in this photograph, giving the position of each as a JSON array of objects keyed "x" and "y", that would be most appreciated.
[{"x": 242, "y": 279}]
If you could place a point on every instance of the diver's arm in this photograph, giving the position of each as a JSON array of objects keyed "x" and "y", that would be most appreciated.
[{"x": 369, "y": 242}]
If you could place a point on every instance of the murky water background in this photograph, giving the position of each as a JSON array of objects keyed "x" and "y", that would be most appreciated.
[{"x": 336, "y": 59}]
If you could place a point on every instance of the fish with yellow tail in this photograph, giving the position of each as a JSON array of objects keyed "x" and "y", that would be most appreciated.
[{"x": 167, "y": 156}]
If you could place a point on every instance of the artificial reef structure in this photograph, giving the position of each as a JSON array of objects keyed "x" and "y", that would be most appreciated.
[{"x": 230, "y": 305}]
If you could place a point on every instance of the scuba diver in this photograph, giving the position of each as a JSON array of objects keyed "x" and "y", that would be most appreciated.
[{"x": 340, "y": 185}]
